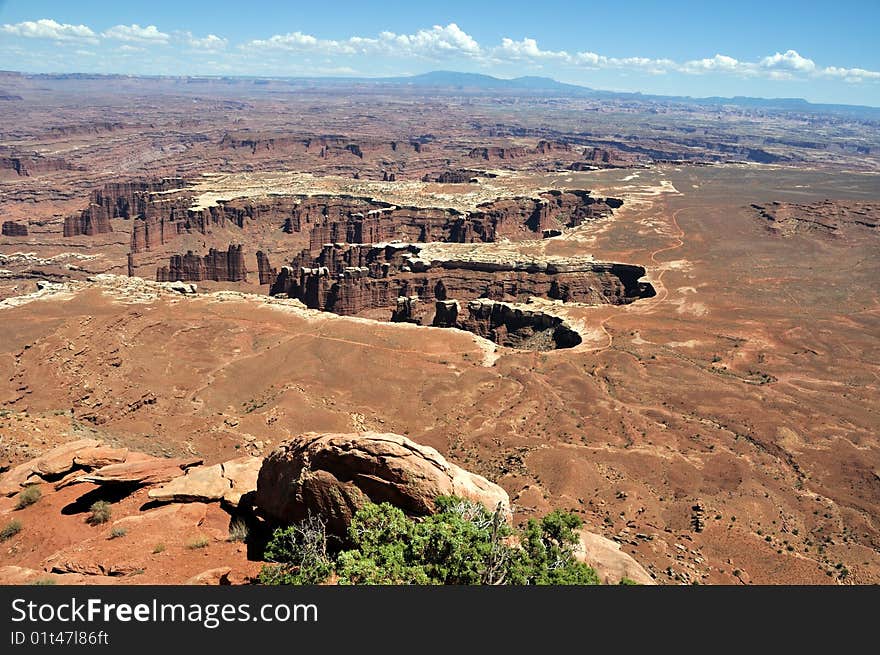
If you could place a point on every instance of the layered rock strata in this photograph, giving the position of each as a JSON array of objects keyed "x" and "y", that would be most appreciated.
[
  {"x": 217, "y": 265},
  {"x": 13, "y": 229}
]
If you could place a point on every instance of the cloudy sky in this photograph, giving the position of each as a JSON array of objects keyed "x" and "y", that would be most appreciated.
[{"x": 825, "y": 52}]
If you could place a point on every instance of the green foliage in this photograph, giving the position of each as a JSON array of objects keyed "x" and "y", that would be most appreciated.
[
  {"x": 628, "y": 581},
  {"x": 238, "y": 530},
  {"x": 117, "y": 531},
  {"x": 43, "y": 582},
  {"x": 158, "y": 548},
  {"x": 462, "y": 544},
  {"x": 10, "y": 530},
  {"x": 198, "y": 542},
  {"x": 548, "y": 553},
  {"x": 300, "y": 555},
  {"x": 101, "y": 511},
  {"x": 28, "y": 496}
]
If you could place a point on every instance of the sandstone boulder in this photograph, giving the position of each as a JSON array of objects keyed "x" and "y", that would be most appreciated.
[
  {"x": 227, "y": 481},
  {"x": 333, "y": 475},
  {"x": 54, "y": 462},
  {"x": 171, "y": 518},
  {"x": 17, "y": 575},
  {"x": 242, "y": 474},
  {"x": 201, "y": 484},
  {"x": 17, "y": 477},
  {"x": 140, "y": 471},
  {"x": 93, "y": 458},
  {"x": 60, "y": 460},
  {"x": 610, "y": 562},
  {"x": 218, "y": 576}
]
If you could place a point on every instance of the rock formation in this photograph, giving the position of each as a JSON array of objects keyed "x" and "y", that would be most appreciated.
[
  {"x": 53, "y": 463},
  {"x": 458, "y": 176},
  {"x": 136, "y": 471},
  {"x": 349, "y": 279},
  {"x": 85, "y": 224},
  {"x": 33, "y": 164},
  {"x": 324, "y": 147},
  {"x": 228, "y": 481},
  {"x": 266, "y": 272},
  {"x": 828, "y": 218},
  {"x": 13, "y": 229},
  {"x": 517, "y": 326},
  {"x": 611, "y": 563},
  {"x": 333, "y": 475},
  {"x": 216, "y": 265},
  {"x": 494, "y": 153},
  {"x": 125, "y": 200}
]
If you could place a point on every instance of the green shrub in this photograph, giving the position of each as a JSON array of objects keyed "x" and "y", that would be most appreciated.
[
  {"x": 10, "y": 530},
  {"x": 28, "y": 496},
  {"x": 462, "y": 544},
  {"x": 117, "y": 531},
  {"x": 101, "y": 511},
  {"x": 43, "y": 582},
  {"x": 158, "y": 548},
  {"x": 300, "y": 554},
  {"x": 198, "y": 542},
  {"x": 238, "y": 530}
]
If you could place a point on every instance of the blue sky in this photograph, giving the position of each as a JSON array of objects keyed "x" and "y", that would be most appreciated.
[{"x": 822, "y": 51}]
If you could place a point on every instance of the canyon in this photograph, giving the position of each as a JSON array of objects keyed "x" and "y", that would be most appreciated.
[{"x": 659, "y": 315}]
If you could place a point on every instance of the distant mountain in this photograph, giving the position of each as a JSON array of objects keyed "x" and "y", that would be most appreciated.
[{"x": 478, "y": 81}]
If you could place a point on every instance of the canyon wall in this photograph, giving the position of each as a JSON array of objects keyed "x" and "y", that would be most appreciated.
[
  {"x": 351, "y": 279},
  {"x": 217, "y": 265},
  {"x": 31, "y": 165},
  {"x": 13, "y": 229},
  {"x": 264, "y": 269}
]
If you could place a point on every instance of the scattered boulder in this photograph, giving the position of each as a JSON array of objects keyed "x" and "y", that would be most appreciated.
[
  {"x": 227, "y": 481},
  {"x": 178, "y": 517},
  {"x": 218, "y": 576},
  {"x": 10, "y": 575},
  {"x": 60, "y": 460},
  {"x": 92, "y": 568},
  {"x": 242, "y": 474},
  {"x": 93, "y": 458},
  {"x": 53, "y": 463},
  {"x": 19, "y": 575},
  {"x": 201, "y": 484},
  {"x": 610, "y": 562},
  {"x": 334, "y": 475},
  {"x": 139, "y": 472},
  {"x": 16, "y": 478}
]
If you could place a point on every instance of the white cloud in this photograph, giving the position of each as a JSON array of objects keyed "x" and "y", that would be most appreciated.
[
  {"x": 436, "y": 42},
  {"x": 137, "y": 34},
  {"x": 716, "y": 63},
  {"x": 46, "y": 28},
  {"x": 779, "y": 66},
  {"x": 292, "y": 41},
  {"x": 791, "y": 61},
  {"x": 527, "y": 49},
  {"x": 210, "y": 42},
  {"x": 850, "y": 74}
]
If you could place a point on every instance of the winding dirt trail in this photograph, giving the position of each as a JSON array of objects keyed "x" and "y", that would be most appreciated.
[{"x": 679, "y": 242}]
